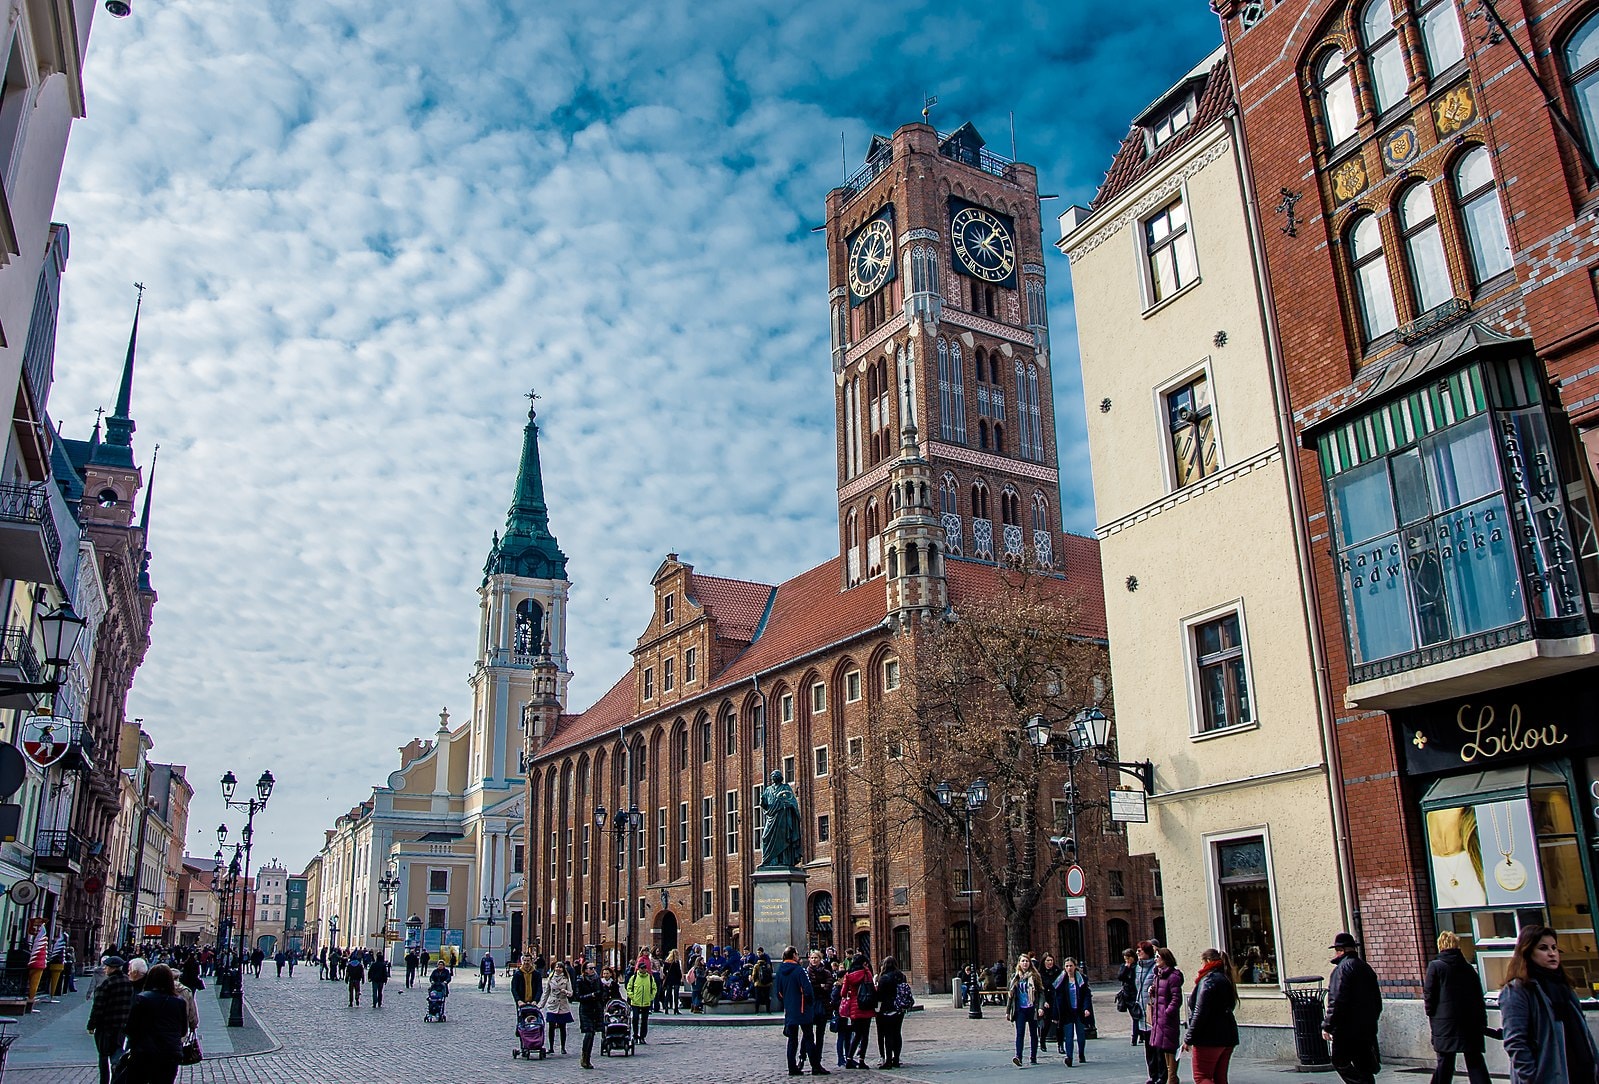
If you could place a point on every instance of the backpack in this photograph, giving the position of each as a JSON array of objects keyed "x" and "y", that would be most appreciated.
[
  {"x": 904, "y": 998},
  {"x": 866, "y": 996}
]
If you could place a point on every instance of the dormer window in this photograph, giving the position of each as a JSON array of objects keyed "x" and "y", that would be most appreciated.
[
  {"x": 667, "y": 608},
  {"x": 1169, "y": 123}
]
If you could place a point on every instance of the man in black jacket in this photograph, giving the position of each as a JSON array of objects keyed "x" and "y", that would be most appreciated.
[
  {"x": 353, "y": 974},
  {"x": 108, "y": 1016},
  {"x": 377, "y": 974},
  {"x": 1354, "y": 1002}
]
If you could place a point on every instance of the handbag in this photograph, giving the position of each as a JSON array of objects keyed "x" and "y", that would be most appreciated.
[
  {"x": 190, "y": 1053},
  {"x": 122, "y": 1071}
]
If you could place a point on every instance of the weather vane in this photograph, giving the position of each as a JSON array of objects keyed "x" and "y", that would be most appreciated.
[
  {"x": 140, "y": 287},
  {"x": 927, "y": 107},
  {"x": 532, "y": 397}
]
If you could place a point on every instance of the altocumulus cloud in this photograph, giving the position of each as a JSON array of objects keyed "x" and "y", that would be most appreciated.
[{"x": 368, "y": 228}]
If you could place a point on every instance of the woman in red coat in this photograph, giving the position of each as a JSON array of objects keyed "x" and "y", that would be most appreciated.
[
  {"x": 850, "y": 1008},
  {"x": 1165, "y": 1010}
]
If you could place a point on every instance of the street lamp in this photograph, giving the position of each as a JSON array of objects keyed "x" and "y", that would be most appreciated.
[
  {"x": 971, "y": 801},
  {"x": 1091, "y": 731},
  {"x": 251, "y": 806},
  {"x": 623, "y": 823},
  {"x": 60, "y": 630},
  {"x": 333, "y": 931},
  {"x": 388, "y": 885},
  {"x": 491, "y": 905}
]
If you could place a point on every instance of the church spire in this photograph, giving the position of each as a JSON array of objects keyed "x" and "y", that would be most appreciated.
[
  {"x": 528, "y": 548},
  {"x": 117, "y": 449}
]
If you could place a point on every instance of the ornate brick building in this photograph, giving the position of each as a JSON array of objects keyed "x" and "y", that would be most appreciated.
[
  {"x": 947, "y": 470},
  {"x": 1426, "y": 188}
]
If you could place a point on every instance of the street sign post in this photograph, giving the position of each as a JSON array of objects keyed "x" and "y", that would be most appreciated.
[{"x": 1129, "y": 806}]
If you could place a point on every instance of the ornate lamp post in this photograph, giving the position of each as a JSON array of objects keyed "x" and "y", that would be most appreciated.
[
  {"x": 971, "y": 801},
  {"x": 388, "y": 885},
  {"x": 251, "y": 806}
]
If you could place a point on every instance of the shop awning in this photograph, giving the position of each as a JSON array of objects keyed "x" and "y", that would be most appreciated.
[{"x": 1509, "y": 782}]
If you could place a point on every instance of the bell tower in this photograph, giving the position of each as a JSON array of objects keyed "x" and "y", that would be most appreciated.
[
  {"x": 522, "y": 665},
  {"x": 936, "y": 269}
]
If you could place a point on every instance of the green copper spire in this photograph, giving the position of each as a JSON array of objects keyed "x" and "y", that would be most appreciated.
[
  {"x": 117, "y": 450},
  {"x": 528, "y": 548}
]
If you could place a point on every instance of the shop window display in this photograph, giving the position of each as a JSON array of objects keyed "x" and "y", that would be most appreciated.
[{"x": 1245, "y": 895}]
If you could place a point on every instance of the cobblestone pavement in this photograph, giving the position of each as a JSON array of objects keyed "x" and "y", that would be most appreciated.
[{"x": 322, "y": 1041}]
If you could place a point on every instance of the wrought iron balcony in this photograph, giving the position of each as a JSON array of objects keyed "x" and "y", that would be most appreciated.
[
  {"x": 58, "y": 850},
  {"x": 30, "y": 544},
  {"x": 875, "y": 164},
  {"x": 18, "y": 663}
]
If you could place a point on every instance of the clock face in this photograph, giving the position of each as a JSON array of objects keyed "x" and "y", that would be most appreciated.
[
  {"x": 983, "y": 245},
  {"x": 871, "y": 258}
]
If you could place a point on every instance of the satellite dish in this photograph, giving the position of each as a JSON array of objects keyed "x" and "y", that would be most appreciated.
[{"x": 24, "y": 892}]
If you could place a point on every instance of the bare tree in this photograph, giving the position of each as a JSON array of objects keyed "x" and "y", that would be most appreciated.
[{"x": 969, "y": 688}]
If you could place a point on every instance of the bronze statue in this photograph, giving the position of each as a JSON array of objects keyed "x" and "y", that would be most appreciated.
[{"x": 781, "y": 839}]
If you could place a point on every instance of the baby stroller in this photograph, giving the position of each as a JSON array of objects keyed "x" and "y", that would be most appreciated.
[
  {"x": 437, "y": 993},
  {"x": 618, "y": 1036},
  {"x": 529, "y": 1032}
]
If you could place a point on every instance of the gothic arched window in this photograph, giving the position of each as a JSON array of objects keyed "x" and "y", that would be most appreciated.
[
  {"x": 1481, "y": 215},
  {"x": 979, "y": 500},
  {"x": 529, "y": 634},
  {"x": 947, "y": 494},
  {"x": 1336, "y": 89},
  {"x": 1372, "y": 284},
  {"x": 1385, "y": 57}
]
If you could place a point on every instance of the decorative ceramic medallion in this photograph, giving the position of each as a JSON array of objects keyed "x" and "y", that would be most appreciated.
[
  {"x": 1454, "y": 110},
  {"x": 1349, "y": 179},
  {"x": 1400, "y": 147}
]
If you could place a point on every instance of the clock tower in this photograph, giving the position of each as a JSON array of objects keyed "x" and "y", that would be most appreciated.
[{"x": 936, "y": 269}]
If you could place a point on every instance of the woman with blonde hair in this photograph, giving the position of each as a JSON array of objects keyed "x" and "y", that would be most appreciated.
[
  {"x": 1023, "y": 1003},
  {"x": 1452, "y": 995},
  {"x": 1212, "y": 1028}
]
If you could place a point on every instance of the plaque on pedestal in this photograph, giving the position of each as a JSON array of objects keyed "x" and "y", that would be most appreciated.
[{"x": 779, "y": 915}]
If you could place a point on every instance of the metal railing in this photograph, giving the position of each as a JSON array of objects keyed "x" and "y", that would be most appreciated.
[
  {"x": 58, "y": 844},
  {"x": 1450, "y": 312},
  {"x": 875, "y": 165},
  {"x": 16, "y": 651},
  {"x": 981, "y": 157},
  {"x": 30, "y": 503}
]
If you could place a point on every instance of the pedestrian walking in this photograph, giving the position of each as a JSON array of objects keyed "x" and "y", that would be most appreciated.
[
  {"x": 858, "y": 1006},
  {"x": 589, "y": 994},
  {"x": 158, "y": 1020},
  {"x": 820, "y": 977},
  {"x": 1452, "y": 995},
  {"x": 257, "y": 958},
  {"x": 642, "y": 991},
  {"x": 485, "y": 972},
  {"x": 891, "y": 1007},
  {"x": 1143, "y": 984},
  {"x": 527, "y": 985},
  {"x": 557, "y": 1005},
  {"x": 1049, "y": 973},
  {"x": 377, "y": 975},
  {"x": 354, "y": 973},
  {"x": 108, "y": 1015},
  {"x": 1073, "y": 1010},
  {"x": 1165, "y": 1010},
  {"x": 1021, "y": 1006},
  {"x": 292, "y": 957},
  {"x": 1212, "y": 1027},
  {"x": 672, "y": 984},
  {"x": 1546, "y": 1039},
  {"x": 1354, "y": 1002},
  {"x": 280, "y": 958},
  {"x": 794, "y": 997},
  {"x": 72, "y": 970},
  {"x": 411, "y": 961},
  {"x": 696, "y": 984}
]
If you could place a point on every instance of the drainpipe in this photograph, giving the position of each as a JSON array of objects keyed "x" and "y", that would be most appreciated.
[{"x": 1349, "y": 902}]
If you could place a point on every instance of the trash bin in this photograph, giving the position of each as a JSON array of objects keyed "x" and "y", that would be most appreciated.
[{"x": 1307, "y": 999}]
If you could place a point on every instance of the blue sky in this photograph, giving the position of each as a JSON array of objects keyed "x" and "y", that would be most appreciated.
[{"x": 367, "y": 229}]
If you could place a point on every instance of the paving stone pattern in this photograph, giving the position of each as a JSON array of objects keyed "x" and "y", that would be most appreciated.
[{"x": 319, "y": 1040}]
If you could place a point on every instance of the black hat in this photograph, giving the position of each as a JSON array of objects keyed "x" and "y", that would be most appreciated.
[
  {"x": 1344, "y": 941},
  {"x": 115, "y": 962}
]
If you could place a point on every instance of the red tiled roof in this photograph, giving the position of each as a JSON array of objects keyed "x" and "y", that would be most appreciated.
[
  {"x": 810, "y": 612},
  {"x": 1133, "y": 161},
  {"x": 736, "y": 605}
]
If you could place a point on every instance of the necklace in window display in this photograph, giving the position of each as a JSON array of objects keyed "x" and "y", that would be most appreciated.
[{"x": 1510, "y": 874}]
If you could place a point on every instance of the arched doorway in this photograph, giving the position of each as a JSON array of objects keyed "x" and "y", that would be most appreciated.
[
  {"x": 821, "y": 920},
  {"x": 666, "y": 932},
  {"x": 1070, "y": 939},
  {"x": 516, "y": 933},
  {"x": 1118, "y": 938}
]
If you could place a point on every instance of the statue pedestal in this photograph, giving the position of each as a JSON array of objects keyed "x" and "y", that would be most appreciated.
[{"x": 779, "y": 912}]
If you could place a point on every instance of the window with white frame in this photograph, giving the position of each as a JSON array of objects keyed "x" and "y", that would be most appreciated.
[
  {"x": 1481, "y": 217},
  {"x": 852, "y": 686},
  {"x": 585, "y": 850},
  {"x": 890, "y": 675},
  {"x": 649, "y": 683},
  {"x": 863, "y": 889},
  {"x": 682, "y": 831},
  {"x": 707, "y": 825},
  {"x": 660, "y": 836},
  {"x": 1221, "y": 672},
  {"x": 1169, "y": 251},
  {"x": 668, "y": 608},
  {"x": 1171, "y": 122},
  {"x": 732, "y": 899},
  {"x": 786, "y": 707},
  {"x": 691, "y": 665},
  {"x": 705, "y": 903},
  {"x": 857, "y": 751},
  {"x": 788, "y": 769},
  {"x": 730, "y": 815},
  {"x": 1373, "y": 287},
  {"x": 818, "y": 698},
  {"x": 668, "y": 676},
  {"x": 438, "y": 880},
  {"x": 1424, "y": 249},
  {"x": 1581, "y": 61},
  {"x": 824, "y": 828},
  {"x": 757, "y": 816},
  {"x": 1440, "y": 36},
  {"x": 569, "y": 851},
  {"x": 821, "y": 760},
  {"x": 1335, "y": 88},
  {"x": 1243, "y": 896},
  {"x": 729, "y": 732}
]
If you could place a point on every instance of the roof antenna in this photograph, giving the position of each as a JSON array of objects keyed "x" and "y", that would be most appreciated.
[
  {"x": 927, "y": 108},
  {"x": 843, "y": 156},
  {"x": 1013, "y": 135}
]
